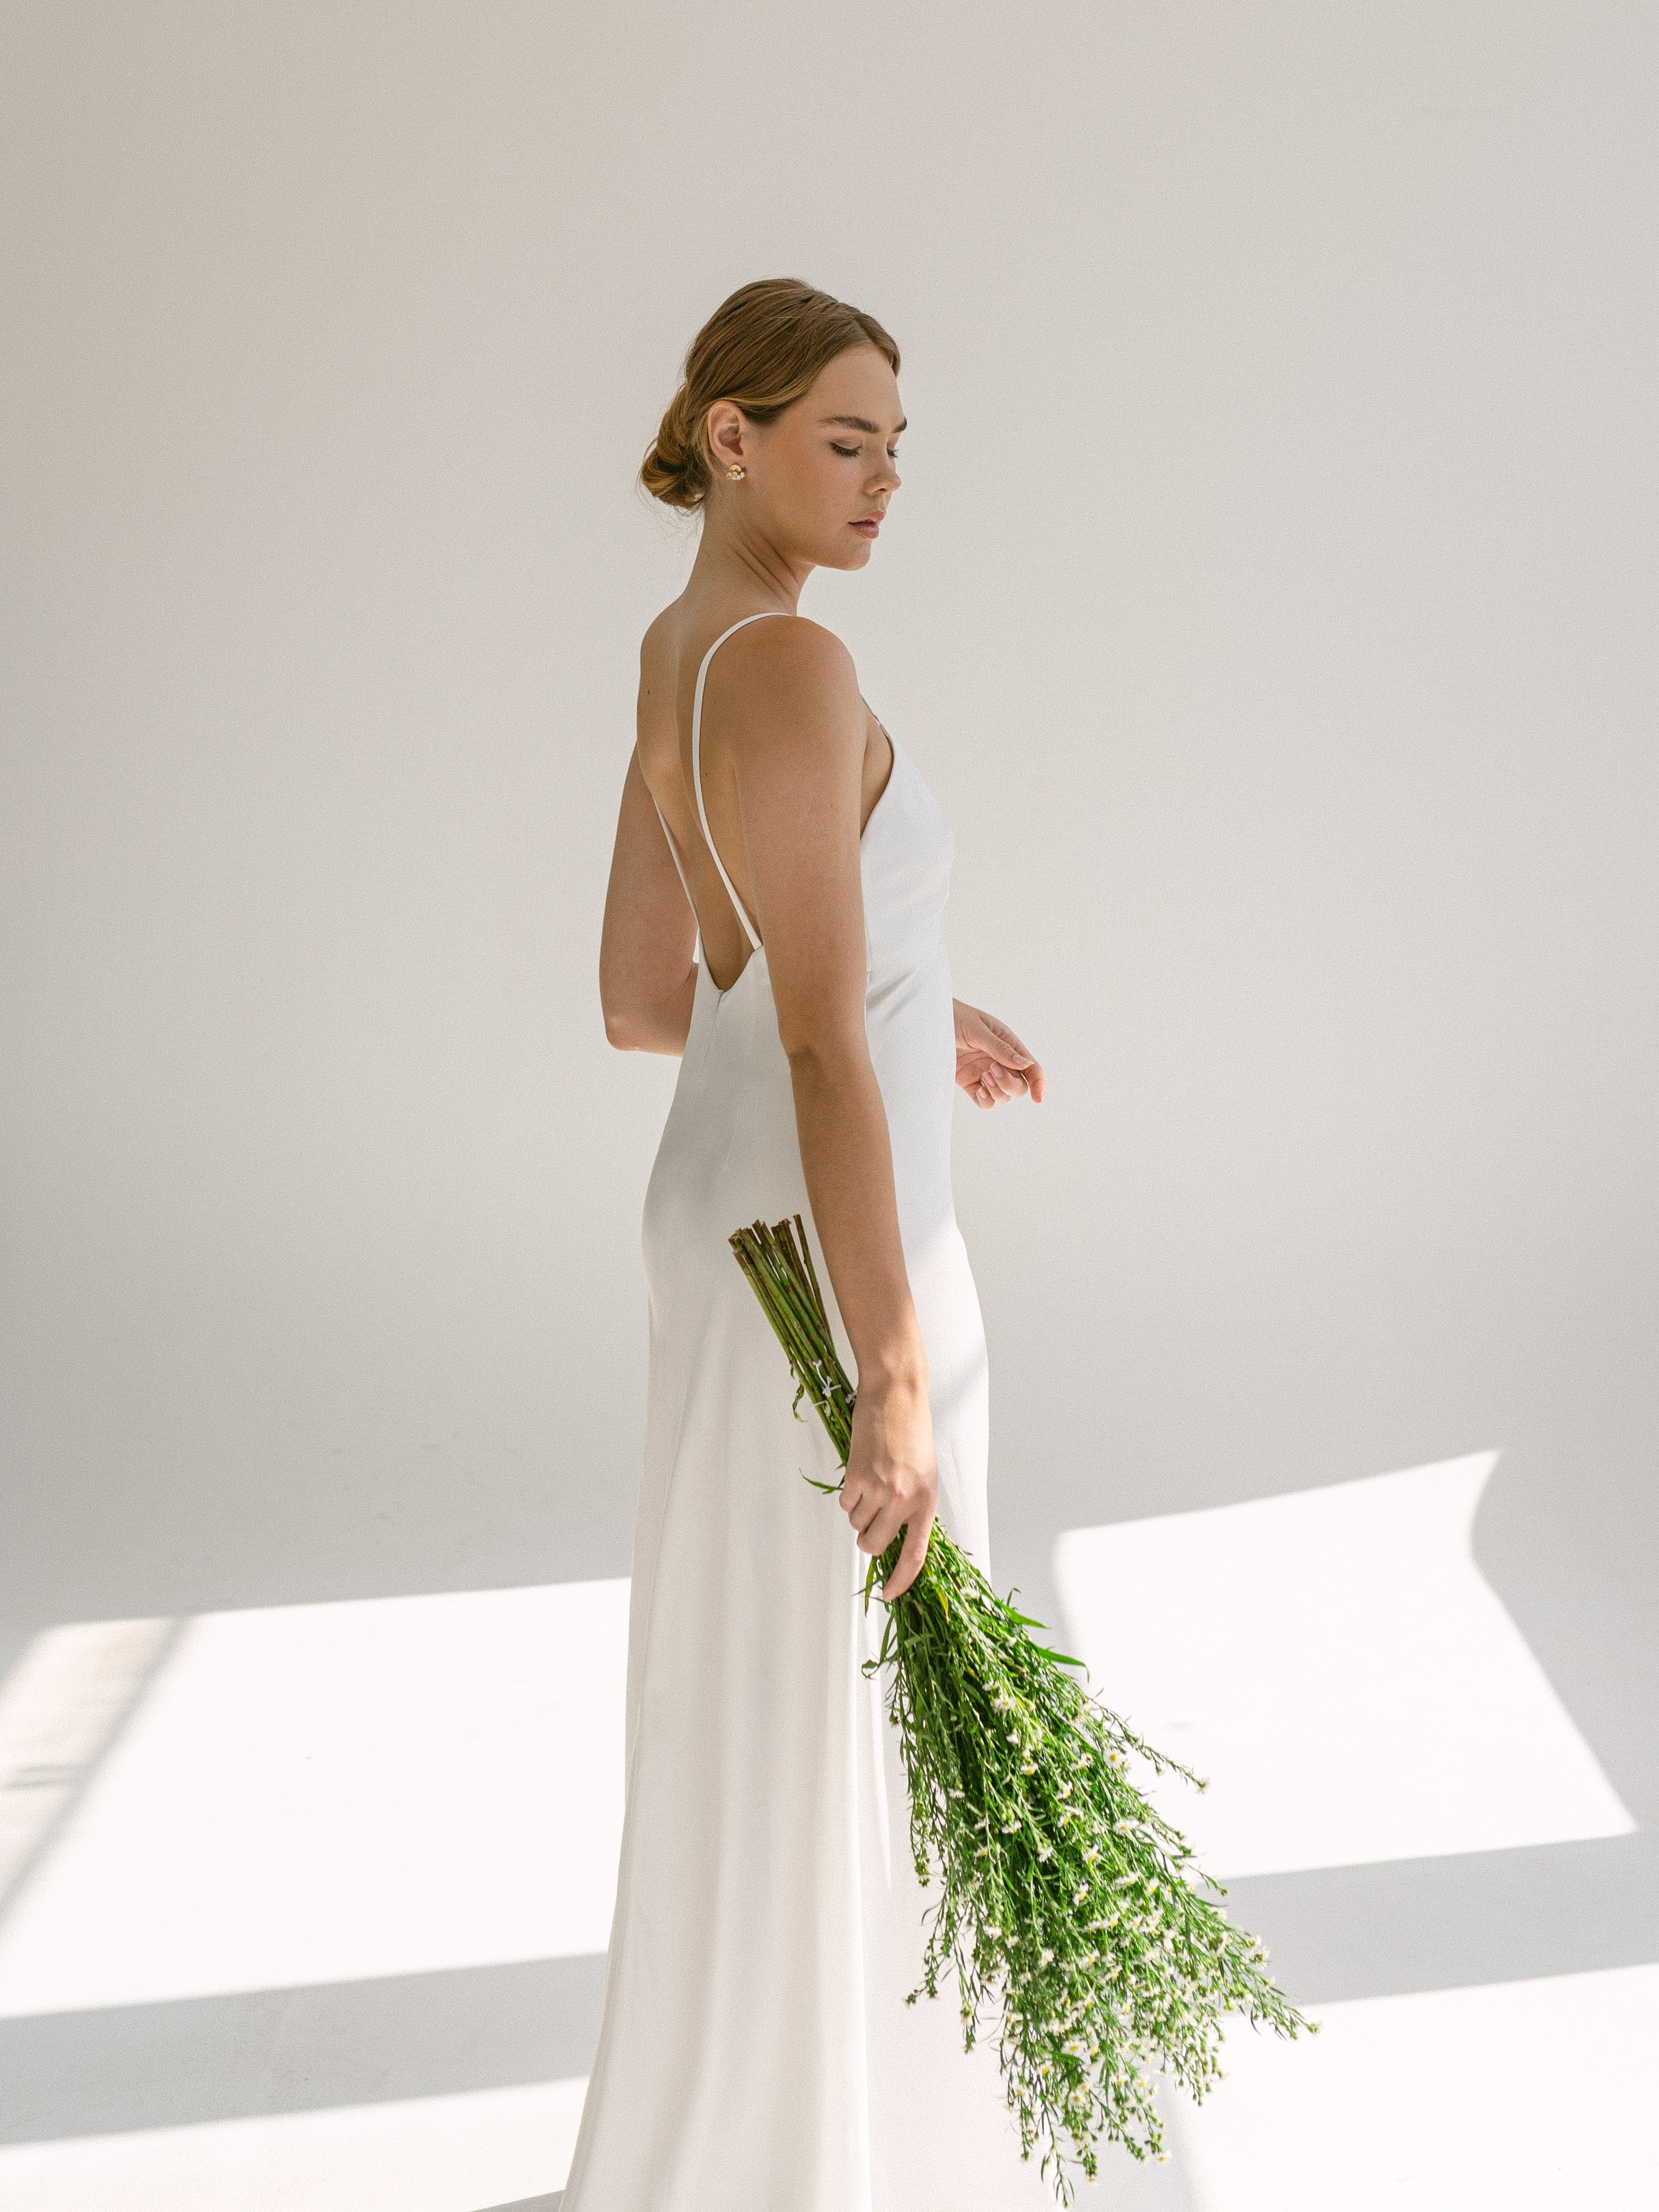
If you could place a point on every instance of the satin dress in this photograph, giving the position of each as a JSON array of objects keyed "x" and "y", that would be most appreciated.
[{"x": 756, "y": 2053}]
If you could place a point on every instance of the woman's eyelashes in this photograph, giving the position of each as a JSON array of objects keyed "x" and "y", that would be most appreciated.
[{"x": 852, "y": 453}]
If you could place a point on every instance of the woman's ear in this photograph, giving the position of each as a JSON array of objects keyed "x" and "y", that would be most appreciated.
[{"x": 726, "y": 429}]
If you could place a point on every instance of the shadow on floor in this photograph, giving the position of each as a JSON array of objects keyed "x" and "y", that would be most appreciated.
[{"x": 124, "y": 2066}]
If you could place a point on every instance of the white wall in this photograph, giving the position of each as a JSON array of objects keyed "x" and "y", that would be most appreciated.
[{"x": 1270, "y": 602}]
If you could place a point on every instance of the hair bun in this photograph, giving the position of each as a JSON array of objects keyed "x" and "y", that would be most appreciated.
[{"x": 675, "y": 470}]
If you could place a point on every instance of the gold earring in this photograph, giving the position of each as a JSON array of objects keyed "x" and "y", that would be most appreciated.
[{"x": 737, "y": 474}]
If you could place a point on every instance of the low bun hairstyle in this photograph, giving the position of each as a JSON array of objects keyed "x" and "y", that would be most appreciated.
[{"x": 761, "y": 349}]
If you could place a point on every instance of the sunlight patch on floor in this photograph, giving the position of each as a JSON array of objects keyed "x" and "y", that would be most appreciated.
[
  {"x": 1519, "y": 2096},
  {"x": 430, "y": 2154},
  {"x": 1336, "y": 1664},
  {"x": 61, "y": 1707},
  {"x": 337, "y": 1792}
]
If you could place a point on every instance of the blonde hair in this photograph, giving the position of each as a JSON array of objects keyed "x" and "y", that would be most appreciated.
[{"x": 762, "y": 349}]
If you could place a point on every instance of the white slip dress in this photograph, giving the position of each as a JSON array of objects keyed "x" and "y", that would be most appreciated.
[{"x": 756, "y": 2053}]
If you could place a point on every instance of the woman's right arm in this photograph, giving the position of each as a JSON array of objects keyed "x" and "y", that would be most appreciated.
[{"x": 794, "y": 728}]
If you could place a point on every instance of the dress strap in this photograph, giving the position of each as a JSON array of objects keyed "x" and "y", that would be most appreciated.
[
  {"x": 696, "y": 767},
  {"x": 673, "y": 852}
]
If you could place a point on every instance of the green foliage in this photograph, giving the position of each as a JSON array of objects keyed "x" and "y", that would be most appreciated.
[{"x": 1069, "y": 1911}]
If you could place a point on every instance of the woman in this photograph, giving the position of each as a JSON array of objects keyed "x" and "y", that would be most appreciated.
[{"x": 756, "y": 2053}]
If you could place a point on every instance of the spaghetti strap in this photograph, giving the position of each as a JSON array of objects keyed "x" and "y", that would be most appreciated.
[
  {"x": 674, "y": 854},
  {"x": 738, "y": 906}
]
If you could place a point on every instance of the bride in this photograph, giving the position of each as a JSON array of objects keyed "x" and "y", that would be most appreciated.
[{"x": 775, "y": 920}]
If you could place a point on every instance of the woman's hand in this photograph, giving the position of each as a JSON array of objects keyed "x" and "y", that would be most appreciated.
[
  {"x": 892, "y": 1480},
  {"x": 992, "y": 1063}
]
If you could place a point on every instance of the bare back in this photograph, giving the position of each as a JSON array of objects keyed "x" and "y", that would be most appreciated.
[{"x": 736, "y": 688}]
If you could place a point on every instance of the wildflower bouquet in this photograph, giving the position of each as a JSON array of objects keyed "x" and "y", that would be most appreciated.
[{"x": 1069, "y": 1910}]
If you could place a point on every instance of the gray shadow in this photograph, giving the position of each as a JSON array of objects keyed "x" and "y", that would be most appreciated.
[
  {"x": 117, "y": 2069},
  {"x": 1447, "y": 1923}
]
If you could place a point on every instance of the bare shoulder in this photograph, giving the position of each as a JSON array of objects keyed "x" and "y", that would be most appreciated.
[
  {"x": 790, "y": 665},
  {"x": 659, "y": 652}
]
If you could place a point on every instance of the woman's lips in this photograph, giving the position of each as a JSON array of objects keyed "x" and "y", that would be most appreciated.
[{"x": 868, "y": 526}]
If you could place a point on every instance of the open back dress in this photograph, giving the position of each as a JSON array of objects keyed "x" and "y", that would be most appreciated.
[{"x": 756, "y": 2053}]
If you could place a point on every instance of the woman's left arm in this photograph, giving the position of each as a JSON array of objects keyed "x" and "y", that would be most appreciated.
[{"x": 992, "y": 1063}]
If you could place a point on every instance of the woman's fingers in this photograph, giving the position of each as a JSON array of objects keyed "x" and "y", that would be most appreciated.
[
  {"x": 893, "y": 1513},
  {"x": 1009, "y": 1052},
  {"x": 860, "y": 1505},
  {"x": 1007, "y": 1047},
  {"x": 889, "y": 1479},
  {"x": 911, "y": 1559},
  {"x": 1022, "y": 1071},
  {"x": 991, "y": 1082},
  {"x": 881, "y": 1525},
  {"x": 1030, "y": 1076},
  {"x": 992, "y": 1064},
  {"x": 878, "y": 1514}
]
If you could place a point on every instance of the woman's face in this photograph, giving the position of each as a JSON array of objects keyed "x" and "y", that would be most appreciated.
[{"x": 815, "y": 481}]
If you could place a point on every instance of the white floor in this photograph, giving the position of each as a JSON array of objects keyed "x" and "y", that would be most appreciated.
[
  {"x": 1337, "y": 1667},
  {"x": 322, "y": 1793},
  {"x": 434, "y": 2154},
  {"x": 1521, "y": 2097},
  {"x": 333, "y": 1793}
]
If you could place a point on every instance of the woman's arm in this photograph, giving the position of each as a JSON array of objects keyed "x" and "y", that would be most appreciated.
[
  {"x": 792, "y": 727},
  {"x": 647, "y": 976}
]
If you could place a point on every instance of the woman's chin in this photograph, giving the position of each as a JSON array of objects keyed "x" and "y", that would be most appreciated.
[{"x": 850, "y": 552}]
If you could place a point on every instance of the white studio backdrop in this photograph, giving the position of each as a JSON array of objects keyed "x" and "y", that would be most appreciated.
[{"x": 1269, "y": 601}]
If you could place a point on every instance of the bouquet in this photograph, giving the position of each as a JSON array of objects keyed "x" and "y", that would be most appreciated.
[{"x": 1068, "y": 1909}]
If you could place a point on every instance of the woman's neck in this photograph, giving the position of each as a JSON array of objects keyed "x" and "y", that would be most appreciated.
[{"x": 735, "y": 562}]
